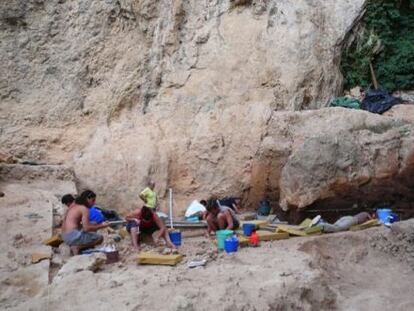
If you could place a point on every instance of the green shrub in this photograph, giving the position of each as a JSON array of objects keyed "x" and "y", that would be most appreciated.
[{"x": 386, "y": 40}]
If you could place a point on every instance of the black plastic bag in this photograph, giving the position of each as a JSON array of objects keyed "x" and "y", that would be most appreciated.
[{"x": 378, "y": 101}]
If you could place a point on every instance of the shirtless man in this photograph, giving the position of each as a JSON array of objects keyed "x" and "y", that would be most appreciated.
[
  {"x": 77, "y": 231},
  {"x": 220, "y": 217}
]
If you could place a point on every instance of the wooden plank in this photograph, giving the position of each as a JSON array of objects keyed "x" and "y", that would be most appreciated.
[
  {"x": 243, "y": 240},
  {"x": 264, "y": 236},
  {"x": 313, "y": 230},
  {"x": 306, "y": 223},
  {"x": 368, "y": 224},
  {"x": 271, "y": 236},
  {"x": 258, "y": 223},
  {"x": 292, "y": 230},
  {"x": 296, "y": 227},
  {"x": 189, "y": 225},
  {"x": 269, "y": 228},
  {"x": 148, "y": 258}
]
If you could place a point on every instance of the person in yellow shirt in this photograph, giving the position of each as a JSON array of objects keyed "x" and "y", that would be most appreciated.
[{"x": 149, "y": 196}]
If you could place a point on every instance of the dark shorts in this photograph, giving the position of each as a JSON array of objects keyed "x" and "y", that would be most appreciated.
[
  {"x": 236, "y": 224},
  {"x": 149, "y": 230},
  {"x": 80, "y": 238}
]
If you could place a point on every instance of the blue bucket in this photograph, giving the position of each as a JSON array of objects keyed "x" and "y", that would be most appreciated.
[
  {"x": 231, "y": 245},
  {"x": 385, "y": 215},
  {"x": 248, "y": 229},
  {"x": 175, "y": 237}
]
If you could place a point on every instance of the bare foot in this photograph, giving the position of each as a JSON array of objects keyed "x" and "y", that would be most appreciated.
[{"x": 171, "y": 245}]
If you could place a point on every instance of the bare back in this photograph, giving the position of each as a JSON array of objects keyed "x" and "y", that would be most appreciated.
[{"x": 75, "y": 217}]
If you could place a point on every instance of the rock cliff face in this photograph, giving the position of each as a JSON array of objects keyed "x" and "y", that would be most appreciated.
[
  {"x": 357, "y": 157},
  {"x": 198, "y": 95}
]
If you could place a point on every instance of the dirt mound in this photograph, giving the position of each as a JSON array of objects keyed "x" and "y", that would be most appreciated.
[
  {"x": 362, "y": 267},
  {"x": 398, "y": 242}
]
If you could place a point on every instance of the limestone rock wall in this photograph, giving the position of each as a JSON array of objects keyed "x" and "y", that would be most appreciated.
[
  {"x": 185, "y": 92},
  {"x": 351, "y": 156}
]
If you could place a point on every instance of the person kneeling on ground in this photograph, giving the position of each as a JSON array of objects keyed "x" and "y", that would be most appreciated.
[
  {"x": 345, "y": 222},
  {"x": 220, "y": 217},
  {"x": 77, "y": 231},
  {"x": 146, "y": 220}
]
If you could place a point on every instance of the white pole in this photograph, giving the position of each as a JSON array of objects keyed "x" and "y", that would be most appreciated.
[{"x": 171, "y": 210}]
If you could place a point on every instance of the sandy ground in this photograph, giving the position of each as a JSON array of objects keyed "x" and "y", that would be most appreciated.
[
  {"x": 366, "y": 270},
  {"x": 346, "y": 271}
]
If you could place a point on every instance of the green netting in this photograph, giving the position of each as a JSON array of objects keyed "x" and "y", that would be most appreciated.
[{"x": 345, "y": 102}]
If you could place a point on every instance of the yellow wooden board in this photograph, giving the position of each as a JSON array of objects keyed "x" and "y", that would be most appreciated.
[
  {"x": 54, "y": 241},
  {"x": 269, "y": 228},
  {"x": 148, "y": 258},
  {"x": 264, "y": 236},
  {"x": 295, "y": 227},
  {"x": 306, "y": 223},
  {"x": 258, "y": 223},
  {"x": 292, "y": 230},
  {"x": 313, "y": 230},
  {"x": 366, "y": 225}
]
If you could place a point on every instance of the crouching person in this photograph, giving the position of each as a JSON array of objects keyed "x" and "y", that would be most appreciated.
[
  {"x": 220, "y": 217},
  {"x": 146, "y": 221},
  {"x": 77, "y": 231}
]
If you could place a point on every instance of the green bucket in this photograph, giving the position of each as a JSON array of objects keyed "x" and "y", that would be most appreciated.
[{"x": 221, "y": 236}]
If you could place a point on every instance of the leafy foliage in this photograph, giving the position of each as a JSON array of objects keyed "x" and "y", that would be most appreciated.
[{"x": 387, "y": 41}]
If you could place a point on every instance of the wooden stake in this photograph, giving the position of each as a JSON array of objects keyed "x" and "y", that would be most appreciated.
[
  {"x": 171, "y": 211},
  {"x": 374, "y": 78}
]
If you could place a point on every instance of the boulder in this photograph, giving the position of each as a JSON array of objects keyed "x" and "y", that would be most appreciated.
[
  {"x": 93, "y": 262},
  {"x": 361, "y": 158}
]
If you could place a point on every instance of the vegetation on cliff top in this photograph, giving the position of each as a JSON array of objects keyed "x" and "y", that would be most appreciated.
[{"x": 386, "y": 39}]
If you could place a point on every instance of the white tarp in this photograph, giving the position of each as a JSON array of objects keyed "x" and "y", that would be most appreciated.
[{"x": 194, "y": 208}]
